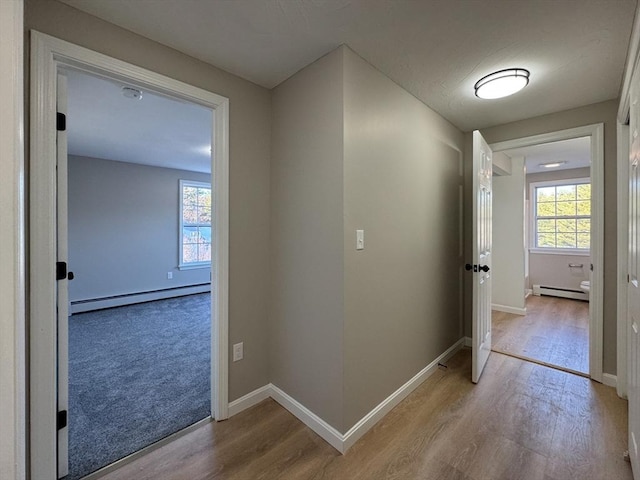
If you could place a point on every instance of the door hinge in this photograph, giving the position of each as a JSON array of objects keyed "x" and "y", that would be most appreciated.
[
  {"x": 591, "y": 267},
  {"x": 61, "y": 270},
  {"x": 61, "y": 122},
  {"x": 61, "y": 420}
]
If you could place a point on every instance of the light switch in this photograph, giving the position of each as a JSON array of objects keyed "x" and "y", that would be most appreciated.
[{"x": 359, "y": 239}]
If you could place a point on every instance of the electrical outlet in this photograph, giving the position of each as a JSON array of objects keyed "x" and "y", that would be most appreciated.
[
  {"x": 238, "y": 351},
  {"x": 169, "y": 275}
]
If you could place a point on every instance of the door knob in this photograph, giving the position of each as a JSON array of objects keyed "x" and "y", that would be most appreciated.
[
  {"x": 70, "y": 276},
  {"x": 484, "y": 268},
  {"x": 468, "y": 267}
]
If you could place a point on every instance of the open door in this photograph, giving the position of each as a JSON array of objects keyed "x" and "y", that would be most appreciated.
[
  {"x": 633, "y": 285},
  {"x": 481, "y": 267},
  {"x": 63, "y": 278}
]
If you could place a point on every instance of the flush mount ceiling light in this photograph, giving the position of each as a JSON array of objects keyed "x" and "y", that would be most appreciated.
[
  {"x": 131, "y": 92},
  {"x": 551, "y": 165},
  {"x": 502, "y": 83}
]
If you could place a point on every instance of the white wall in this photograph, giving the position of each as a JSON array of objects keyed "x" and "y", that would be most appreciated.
[
  {"x": 12, "y": 255},
  {"x": 124, "y": 230},
  {"x": 508, "y": 255}
]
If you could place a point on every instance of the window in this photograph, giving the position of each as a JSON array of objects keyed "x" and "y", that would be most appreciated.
[
  {"x": 562, "y": 215},
  {"x": 195, "y": 224}
]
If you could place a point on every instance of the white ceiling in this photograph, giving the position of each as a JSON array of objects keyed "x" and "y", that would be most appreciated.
[
  {"x": 575, "y": 152},
  {"x": 435, "y": 49},
  {"x": 156, "y": 130}
]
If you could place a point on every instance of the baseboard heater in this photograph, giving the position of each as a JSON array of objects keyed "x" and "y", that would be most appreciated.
[
  {"x": 540, "y": 290},
  {"x": 79, "y": 306}
]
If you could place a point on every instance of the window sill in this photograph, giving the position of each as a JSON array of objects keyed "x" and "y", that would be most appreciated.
[
  {"x": 194, "y": 267},
  {"x": 560, "y": 251}
]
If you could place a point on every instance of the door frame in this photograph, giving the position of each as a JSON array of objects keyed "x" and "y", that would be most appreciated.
[
  {"x": 596, "y": 134},
  {"x": 48, "y": 54}
]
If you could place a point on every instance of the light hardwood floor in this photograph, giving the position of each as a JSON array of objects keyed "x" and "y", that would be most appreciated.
[
  {"x": 522, "y": 421},
  {"x": 554, "y": 330}
]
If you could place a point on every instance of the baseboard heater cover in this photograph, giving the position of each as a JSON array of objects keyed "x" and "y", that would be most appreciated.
[
  {"x": 79, "y": 306},
  {"x": 542, "y": 290}
]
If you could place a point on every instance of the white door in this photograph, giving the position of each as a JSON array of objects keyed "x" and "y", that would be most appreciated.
[
  {"x": 63, "y": 282},
  {"x": 481, "y": 267},
  {"x": 633, "y": 292}
]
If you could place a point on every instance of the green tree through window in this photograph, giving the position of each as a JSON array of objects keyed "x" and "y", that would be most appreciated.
[{"x": 563, "y": 216}]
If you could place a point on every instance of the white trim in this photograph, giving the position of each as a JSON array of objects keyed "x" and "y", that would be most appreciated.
[
  {"x": 560, "y": 251},
  {"x": 47, "y": 54},
  {"x": 623, "y": 256},
  {"x": 596, "y": 133},
  {"x": 539, "y": 290},
  {"x": 375, "y": 415},
  {"x": 468, "y": 342},
  {"x": 610, "y": 380},
  {"x": 528, "y": 292},
  {"x": 508, "y": 309},
  {"x": 250, "y": 399},
  {"x": 339, "y": 441},
  {"x": 80, "y": 306},
  {"x": 633, "y": 59},
  {"x": 332, "y": 436},
  {"x": 13, "y": 447}
]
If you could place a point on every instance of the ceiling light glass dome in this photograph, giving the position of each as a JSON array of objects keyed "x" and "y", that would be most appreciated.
[{"x": 502, "y": 83}]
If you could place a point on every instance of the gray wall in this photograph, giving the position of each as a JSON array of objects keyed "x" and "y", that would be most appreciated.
[
  {"x": 250, "y": 144},
  {"x": 402, "y": 172},
  {"x": 123, "y": 228},
  {"x": 604, "y": 112},
  {"x": 352, "y": 150},
  {"x": 306, "y": 238}
]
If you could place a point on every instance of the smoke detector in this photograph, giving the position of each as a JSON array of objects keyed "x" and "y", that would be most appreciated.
[{"x": 131, "y": 92}]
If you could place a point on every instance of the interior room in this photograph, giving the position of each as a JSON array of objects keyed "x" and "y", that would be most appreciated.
[
  {"x": 139, "y": 236},
  {"x": 541, "y": 289},
  {"x": 351, "y": 147}
]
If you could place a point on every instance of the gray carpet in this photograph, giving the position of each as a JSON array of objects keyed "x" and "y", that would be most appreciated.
[{"x": 136, "y": 375}]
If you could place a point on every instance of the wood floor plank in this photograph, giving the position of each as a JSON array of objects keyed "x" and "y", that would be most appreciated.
[
  {"x": 554, "y": 330},
  {"x": 522, "y": 421}
]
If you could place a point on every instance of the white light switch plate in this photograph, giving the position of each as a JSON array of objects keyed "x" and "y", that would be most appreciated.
[
  {"x": 359, "y": 239},
  {"x": 238, "y": 351}
]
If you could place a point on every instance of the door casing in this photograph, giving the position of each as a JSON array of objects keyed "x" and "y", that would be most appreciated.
[
  {"x": 48, "y": 54},
  {"x": 596, "y": 134}
]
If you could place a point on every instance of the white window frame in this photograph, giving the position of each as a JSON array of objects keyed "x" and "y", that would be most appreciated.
[
  {"x": 181, "y": 264},
  {"x": 533, "y": 202}
]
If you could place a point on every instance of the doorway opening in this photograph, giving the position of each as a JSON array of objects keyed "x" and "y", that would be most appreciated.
[
  {"x": 139, "y": 245},
  {"x": 547, "y": 250},
  {"x": 49, "y": 282}
]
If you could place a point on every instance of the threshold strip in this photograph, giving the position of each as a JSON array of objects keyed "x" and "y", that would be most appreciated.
[
  {"x": 149, "y": 448},
  {"x": 540, "y": 362}
]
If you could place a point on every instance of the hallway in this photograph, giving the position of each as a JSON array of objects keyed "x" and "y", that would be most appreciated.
[{"x": 522, "y": 421}]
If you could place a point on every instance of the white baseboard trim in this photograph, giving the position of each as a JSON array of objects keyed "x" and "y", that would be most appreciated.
[
  {"x": 375, "y": 415},
  {"x": 508, "y": 309},
  {"x": 339, "y": 441},
  {"x": 249, "y": 400},
  {"x": 528, "y": 292},
  {"x": 468, "y": 342},
  {"x": 80, "y": 306},
  {"x": 610, "y": 380},
  {"x": 332, "y": 436}
]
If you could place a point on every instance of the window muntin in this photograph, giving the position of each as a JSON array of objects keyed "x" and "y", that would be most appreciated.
[
  {"x": 195, "y": 224},
  {"x": 562, "y": 215}
]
